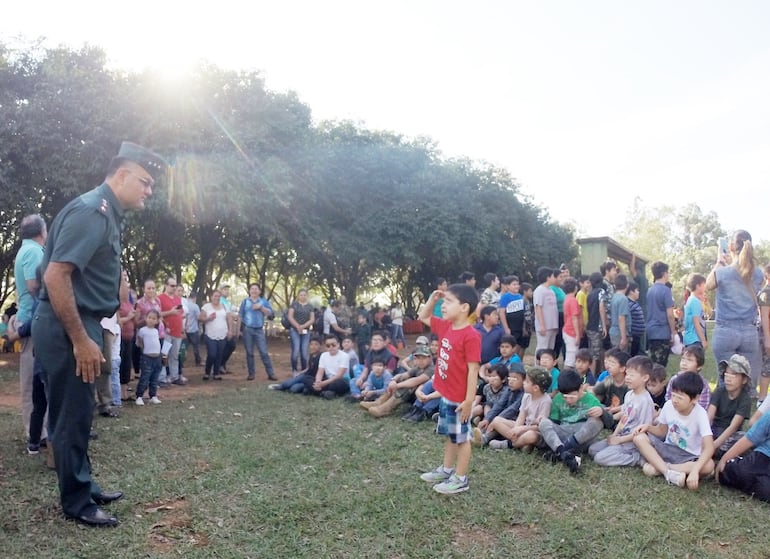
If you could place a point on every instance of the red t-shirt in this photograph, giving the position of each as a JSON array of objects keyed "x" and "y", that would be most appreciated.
[
  {"x": 173, "y": 322},
  {"x": 571, "y": 308},
  {"x": 456, "y": 349}
]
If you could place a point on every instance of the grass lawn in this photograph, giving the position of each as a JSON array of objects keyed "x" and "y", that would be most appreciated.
[{"x": 248, "y": 472}]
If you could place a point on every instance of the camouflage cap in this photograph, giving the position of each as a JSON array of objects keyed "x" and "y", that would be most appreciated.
[
  {"x": 540, "y": 377},
  {"x": 737, "y": 364},
  {"x": 422, "y": 350}
]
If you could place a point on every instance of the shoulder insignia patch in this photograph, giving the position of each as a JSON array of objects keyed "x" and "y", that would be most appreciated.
[{"x": 104, "y": 206}]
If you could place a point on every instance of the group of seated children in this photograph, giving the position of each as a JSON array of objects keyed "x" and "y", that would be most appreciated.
[{"x": 676, "y": 430}]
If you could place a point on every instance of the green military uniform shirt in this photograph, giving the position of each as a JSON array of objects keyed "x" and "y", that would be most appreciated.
[{"x": 86, "y": 233}]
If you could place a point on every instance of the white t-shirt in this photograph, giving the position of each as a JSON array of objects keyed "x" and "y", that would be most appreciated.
[
  {"x": 535, "y": 410},
  {"x": 150, "y": 340},
  {"x": 685, "y": 431},
  {"x": 331, "y": 364},
  {"x": 217, "y": 328},
  {"x": 113, "y": 326},
  {"x": 329, "y": 319},
  {"x": 396, "y": 316},
  {"x": 765, "y": 407}
]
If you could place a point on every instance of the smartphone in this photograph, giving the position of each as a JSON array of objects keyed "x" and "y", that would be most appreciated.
[{"x": 722, "y": 250}]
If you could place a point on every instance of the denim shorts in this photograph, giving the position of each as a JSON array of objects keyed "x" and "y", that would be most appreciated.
[{"x": 449, "y": 423}]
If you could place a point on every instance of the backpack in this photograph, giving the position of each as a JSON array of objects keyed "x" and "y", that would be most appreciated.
[{"x": 285, "y": 320}]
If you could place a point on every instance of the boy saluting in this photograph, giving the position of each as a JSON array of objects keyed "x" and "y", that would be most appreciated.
[{"x": 457, "y": 369}]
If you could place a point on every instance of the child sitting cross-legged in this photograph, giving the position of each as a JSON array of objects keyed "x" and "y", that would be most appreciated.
[
  {"x": 493, "y": 392},
  {"x": 680, "y": 446},
  {"x": 524, "y": 433},
  {"x": 612, "y": 390},
  {"x": 505, "y": 409},
  {"x": 730, "y": 403},
  {"x": 574, "y": 422},
  {"x": 377, "y": 381},
  {"x": 546, "y": 358},
  {"x": 618, "y": 449},
  {"x": 507, "y": 357},
  {"x": 657, "y": 385},
  {"x": 583, "y": 362}
]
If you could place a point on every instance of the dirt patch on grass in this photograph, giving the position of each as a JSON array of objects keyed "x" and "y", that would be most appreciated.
[{"x": 173, "y": 527}]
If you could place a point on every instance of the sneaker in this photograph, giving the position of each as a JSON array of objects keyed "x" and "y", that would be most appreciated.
[
  {"x": 181, "y": 381},
  {"x": 499, "y": 444},
  {"x": 437, "y": 475},
  {"x": 33, "y": 448},
  {"x": 478, "y": 437},
  {"x": 417, "y": 416},
  {"x": 550, "y": 456},
  {"x": 675, "y": 477},
  {"x": 274, "y": 386},
  {"x": 328, "y": 394},
  {"x": 155, "y": 400},
  {"x": 649, "y": 470},
  {"x": 139, "y": 401},
  {"x": 572, "y": 462},
  {"x": 434, "y": 417},
  {"x": 451, "y": 486}
]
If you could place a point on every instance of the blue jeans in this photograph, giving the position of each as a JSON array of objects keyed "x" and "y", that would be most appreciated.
[
  {"x": 115, "y": 382},
  {"x": 300, "y": 352},
  {"x": 431, "y": 406},
  {"x": 295, "y": 385},
  {"x": 397, "y": 334},
  {"x": 215, "y": 349},
  {"x": 734, "y": 337},
  {"x": 256, "y": 336},
  {"x": 151, "y": 367},
  {"x": 194, "y": 339}
]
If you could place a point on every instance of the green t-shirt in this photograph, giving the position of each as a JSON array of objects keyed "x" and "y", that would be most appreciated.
[
  {"x": 727, "y": 408},
  {"x": 561, "y": 412}
]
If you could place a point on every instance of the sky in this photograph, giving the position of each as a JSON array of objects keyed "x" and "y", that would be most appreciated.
[{"x": 588, "y": 104}]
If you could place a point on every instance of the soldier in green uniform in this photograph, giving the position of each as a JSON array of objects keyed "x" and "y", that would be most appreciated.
[{"x": 81, "y": 276}]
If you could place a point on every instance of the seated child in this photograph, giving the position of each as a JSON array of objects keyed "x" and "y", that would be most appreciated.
[
  {"x": 612, "y": 390},
  {"x": 348, "y": 346},
  {"x": 730, "y": 403},
  {"x": 331, "y": 379},
  {"x": 409, "y": 361},
  {"x": 426, "y": 402},
  {"x": 493, "y": 392},
  {"x": 692, "y": 361},
  {"x": 403, "y": 385},
  {"x": 750, "y": 472},
  {"x": 547, "y": 360},
  {"x": 296, "y": 385},
  {"x": 505, "y": 408},
  {"x": 618, "y": 449},
  {"x": 583, "y": 362},
  {"x": 524, "y": 433},
  {"x": 657, "y": 385},
  {"x": 377, "y": 381},
  {"x": 680, "y": 446},
  {"x": 574, "y": 422},
  {"x": 506, "y": 357}
]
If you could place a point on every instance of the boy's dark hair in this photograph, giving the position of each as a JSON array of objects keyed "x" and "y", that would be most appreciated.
[
  {"x": 596, "y": 279},
  {"x": 440, "y": 280},
  {"x": 524, "y": 287},
  {"x": 546, "y": 351},
  {"x": 465, "y": 276},
  {"x": 433, "y": 337},
  {"x": 330, "y": 336},
  {"x": 570, "y": 285},
  {"x": 508, "y": 339},
  {"x": 632, "y": 286},
  {"x": 619, "y": 355},
  {"x": 508, "y": 280},
  {"x": 569, "y": 381},
  {"x": 697, "y": 353},
  {"x": 348, "y": 337},
  {"x": 621, "y": 282},
  {"x": 465, "y": 294},
  {"x": 687, "y": 383},
  {"x": 379, "y": 360},
  {"x": 658, "y": 373},
  {"x": 500, "y": 370},
  {"x": 489, "y": 277},
  {"x": 694, "y": 281},
  {"x": 607, "y": 266},
  {"x": 583, "y": 278},
  {"x": 641, "y": 363},
  {"x": 316, "y": 338},
  {"x": 658, "y": 269},
  {"x": 486, "y": 311},
  {"x": 543, "y": 273},
  {"x": 380, "y": 333},
  {"x": 540, "y": 377},
  {"x": 584, "y": 355}
]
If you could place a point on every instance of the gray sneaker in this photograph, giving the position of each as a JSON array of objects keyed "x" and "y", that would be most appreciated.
[
  {"x": 498, "y": 444},
  {"x": 437, "y": 475},
  {"x": 452, "y": 485}
]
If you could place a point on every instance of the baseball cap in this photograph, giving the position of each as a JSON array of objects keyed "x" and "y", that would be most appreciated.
[
  {"x": 422, "y": 340},
  {"x": 422, "y": 350},
  {"x": 737, "y": 364}
]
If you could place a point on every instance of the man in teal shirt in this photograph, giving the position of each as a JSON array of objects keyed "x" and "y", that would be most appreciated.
[{"x": 33, "y": 233}]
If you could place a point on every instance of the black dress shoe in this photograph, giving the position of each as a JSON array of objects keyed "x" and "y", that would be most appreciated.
[
  {"x": 106, "y": 498},
  {"x": 97, "y": 518}
]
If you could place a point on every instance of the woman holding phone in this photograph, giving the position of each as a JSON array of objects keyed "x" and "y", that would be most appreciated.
[{"x": 737, "y": 278}]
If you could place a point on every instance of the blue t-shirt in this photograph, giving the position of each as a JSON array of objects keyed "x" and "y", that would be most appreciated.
[
  {"x": 490, "y": 341},
  {"x": 659, "y": 300},
  {"x": 759, "y": 435},
  {"x": 25, "y": 267},
  {"x": 693, "y": 311},
  {"x": 619, "y": 307},
  {"x": 513, "y": 303}
]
